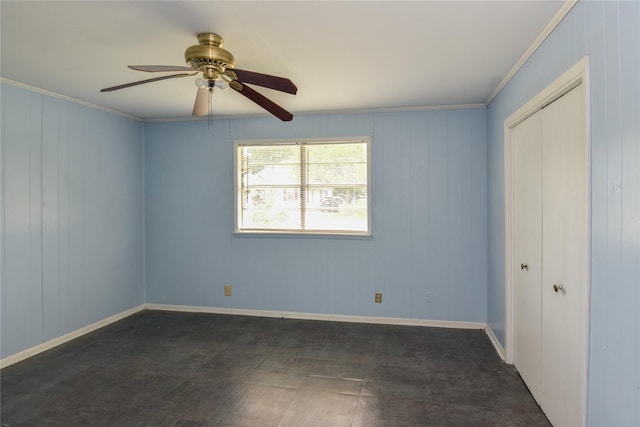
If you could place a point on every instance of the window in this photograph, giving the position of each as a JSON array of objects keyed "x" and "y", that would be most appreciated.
[{"x": 312, "y": 186}]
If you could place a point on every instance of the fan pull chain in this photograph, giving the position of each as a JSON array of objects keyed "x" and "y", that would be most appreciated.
[{"x": 210, "y": 115}]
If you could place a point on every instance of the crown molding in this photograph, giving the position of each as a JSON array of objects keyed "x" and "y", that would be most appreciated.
[
  {"x": 67, "y": 98},
  {"x": 557, "y": 18}
]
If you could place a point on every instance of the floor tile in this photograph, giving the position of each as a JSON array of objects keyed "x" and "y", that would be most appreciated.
[
  {"x": 313, "y": 408},
  {"x": 332, "y": 385},
  {"x": 387, "y": 411},
  {"x": 191, "y": 369}
]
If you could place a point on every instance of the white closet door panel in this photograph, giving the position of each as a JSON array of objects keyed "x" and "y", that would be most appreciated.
[
  {"x": 527, "y": 308},
  {"x": 564, "y": 281}
]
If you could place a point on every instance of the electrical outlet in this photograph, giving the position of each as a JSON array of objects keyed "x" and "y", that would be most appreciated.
[
  {"x": 227, "y": 290},
  {"x": 429, "y": 297},
  {"x": 378, "y": 298}
]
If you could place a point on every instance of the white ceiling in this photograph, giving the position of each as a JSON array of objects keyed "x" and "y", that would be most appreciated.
[{"x": 357, "y": 55}]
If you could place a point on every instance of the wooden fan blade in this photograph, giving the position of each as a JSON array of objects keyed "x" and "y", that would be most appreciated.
[
  {"x": 201, "y": 106},
  {"x": 141, "y": 82},
  {"x": 264, "y": 102},
  {"x": 265, "y": 80},
  {"x": 159, "y": 68}
]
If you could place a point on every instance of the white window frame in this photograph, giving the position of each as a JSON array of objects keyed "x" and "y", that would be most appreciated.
[{"x": 299, "y": 232}]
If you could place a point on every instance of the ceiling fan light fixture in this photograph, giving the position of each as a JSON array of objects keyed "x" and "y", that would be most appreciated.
[
  {"x": 221, "y": 84},
  {"x": 211, "y": 84}
]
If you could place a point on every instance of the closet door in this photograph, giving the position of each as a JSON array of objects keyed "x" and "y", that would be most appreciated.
[
  {"x": 550, "y": 220},
  {"x": 527, "y": 295},
  {"x": 564, "y": 259}
]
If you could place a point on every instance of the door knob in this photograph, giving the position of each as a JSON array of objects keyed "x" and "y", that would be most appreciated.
[
  {"x": 524, "y": 267},
  {"x": 559, "y": 288}
]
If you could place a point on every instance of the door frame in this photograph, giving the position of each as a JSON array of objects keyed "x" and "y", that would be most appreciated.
[{"x": 574, "y": 76}]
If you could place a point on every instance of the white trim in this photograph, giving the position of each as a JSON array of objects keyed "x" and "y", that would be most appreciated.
[
  {"x": 326, "y": 112},
  {"x": 557, "y": 18},
  {"x": 301, "y": 143},
  {"x": 560, "y": 86},
  {"x": 319, "y": 316},
  {"x": 67, "y": 98},
  {"x": 25, "y": 354},
  {"x": 574, "y": 76},
  {"x": 494, "y": 340}
]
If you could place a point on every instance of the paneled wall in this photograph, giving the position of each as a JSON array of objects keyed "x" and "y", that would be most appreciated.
[
  {"x": 609, "y": 32},
  {"x": 72, "y": 217},
  {"x": 429, "y": 221}
]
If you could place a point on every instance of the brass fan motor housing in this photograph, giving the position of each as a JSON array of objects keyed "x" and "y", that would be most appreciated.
[{"x": 209, "y": 56}]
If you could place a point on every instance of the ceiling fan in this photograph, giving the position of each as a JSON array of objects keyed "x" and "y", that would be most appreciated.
[{"x": 217, "y": 66}]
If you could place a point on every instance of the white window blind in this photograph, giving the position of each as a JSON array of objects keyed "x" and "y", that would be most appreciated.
[{"x": 318, "y": 187}]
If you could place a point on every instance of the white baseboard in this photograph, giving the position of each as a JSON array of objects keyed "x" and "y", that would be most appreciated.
[
  {"x": 320, "y": 316},
  {"x": 24, "y": 354},
  {"x": 494, "y": 340},
  {"x": 14, "y": 358}
]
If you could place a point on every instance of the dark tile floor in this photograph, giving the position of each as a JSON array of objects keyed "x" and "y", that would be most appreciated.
[{"x": 187, "y": 369}]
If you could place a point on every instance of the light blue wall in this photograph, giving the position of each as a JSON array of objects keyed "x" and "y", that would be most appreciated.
[
  {"x": 609, "y": 32},
  {"x": 72, "y": 217},
  {"x": 429, "y": 223}
]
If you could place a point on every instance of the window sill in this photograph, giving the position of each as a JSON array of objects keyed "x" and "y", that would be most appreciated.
[{"x": 306, "y": 235}]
